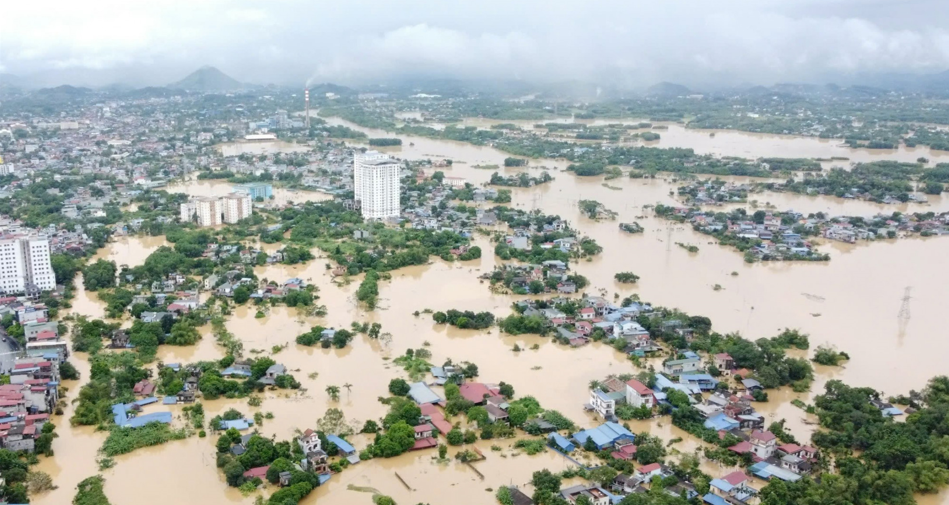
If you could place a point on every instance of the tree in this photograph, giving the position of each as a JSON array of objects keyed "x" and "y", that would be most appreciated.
[
  {"x": 100, "y": 274},
  {"x": 478, "y": 414},
  {"x": 241, "y": 295},
  {"x": 933, "y": 188},
  {"x": 506, "y": 390},
  {"x": 543, "y": 480},
  {"x": 517, "y": 415},
  {"x": 399, "y": 387},
  {"x": 333, "y": 392},
  {"x": 259, "y": 451},
  {"x": 402, "y": 434},
  {"x": 278, "y": 466},
  {"x": 223, "y": 444},
  {"x": 455, "y": 437},
  {"x": 370, "y": 426},
  {"x": 183, "y": 333},
  {"x": 234, "y": 473},
  {"x": 452, "y": 391}
]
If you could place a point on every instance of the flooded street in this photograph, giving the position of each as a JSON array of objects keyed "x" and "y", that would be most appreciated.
[{"x": 850, "y": 302}]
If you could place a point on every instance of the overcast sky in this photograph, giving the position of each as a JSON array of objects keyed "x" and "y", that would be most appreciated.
[{"x": 352, "y": 41}]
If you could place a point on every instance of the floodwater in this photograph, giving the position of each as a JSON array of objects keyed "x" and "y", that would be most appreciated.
[
  {"x": 130, "y": 251},
  {"x": 749, "y": 145},
  {"x": 851, "y": 302},
  {"x": 211, "y": 187}
]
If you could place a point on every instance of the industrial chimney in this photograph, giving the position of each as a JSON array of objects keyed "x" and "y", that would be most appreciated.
[{"x": 306, "y": 99}]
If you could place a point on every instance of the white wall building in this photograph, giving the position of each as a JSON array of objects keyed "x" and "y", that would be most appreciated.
[
  {"x": 376, "y": 184},
  {"x": 237, "y": 206},
  {"x": 25, "y": 265},
  {"x": 213, "y": 211},
  {"x": 638, "y": 394}
]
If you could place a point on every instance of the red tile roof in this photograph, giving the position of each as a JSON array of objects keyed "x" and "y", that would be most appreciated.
[
  {"x": 648, "y": 468},
  {"x": 422, "y": 428},
  {"x": 46, "y": 335},
  {"x": 424, "y": 443},
  {"x": 735, "y": 478},
  {"x": 474, "y": 391},
  {"x": 763, "y": 436},
  {"x": 741, "y": 447},
  {"x": 260, "y": 471},
  {"x": 639, "y": 387},
  {"x": 789, "y": 448}
]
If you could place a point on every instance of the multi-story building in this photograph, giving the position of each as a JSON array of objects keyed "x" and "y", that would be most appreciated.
[
  {"x": 213, "y": 211},
  {"x": 203, "y": 211},
  {"x": 237, "y": 206},
  {"x": 376, "y": 185},
  {"x": 256, "y": 189},
  {"x": 25, "y": 265}
]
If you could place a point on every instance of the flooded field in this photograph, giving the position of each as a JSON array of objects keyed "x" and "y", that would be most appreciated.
[
  {"x": 746, "y": 144},
  {"x": 851, "y": 302}
]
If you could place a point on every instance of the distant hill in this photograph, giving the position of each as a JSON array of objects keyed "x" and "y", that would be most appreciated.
[
  {"x": 668, "y": 89},
  {"x": 207, "y": 79}
]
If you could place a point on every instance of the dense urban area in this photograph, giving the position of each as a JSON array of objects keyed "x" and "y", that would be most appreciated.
[{"x": 441, "y": 295}]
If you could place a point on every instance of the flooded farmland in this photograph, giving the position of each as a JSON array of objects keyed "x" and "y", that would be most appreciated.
[{"x": 850, "y": 302}]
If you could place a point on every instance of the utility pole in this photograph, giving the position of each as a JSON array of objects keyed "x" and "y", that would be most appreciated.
[{"x": 904, "y": 315}]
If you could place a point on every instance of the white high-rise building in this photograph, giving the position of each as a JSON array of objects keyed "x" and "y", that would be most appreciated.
[
  {"x": 376, "y": 184},
  {"x": 202, "y": 210},
  {"x": 237, "y": 206},
  {"x": 25, "y": 265},
  {"x": 213, "y": 211}
]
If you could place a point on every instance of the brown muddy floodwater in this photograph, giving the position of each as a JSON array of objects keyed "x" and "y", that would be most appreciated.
[
  {"x": 749, "y": 145},
  {"x": 210, "y": 187},
  {"x": 851, "y": 302}
]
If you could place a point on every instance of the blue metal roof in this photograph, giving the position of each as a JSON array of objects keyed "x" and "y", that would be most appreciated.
[
  {"x": 562, "y": 443},
  {"x": 324, "y": 477},
  {"x": 712, "y": 499},
  {"x": 604, "y": 435},
  {"x": 234, "y": 371},
  {"x": 170, "y": 400},
  {"x": 422, "y": 394},
  {"x": 156, "y": 417},
  {"x": 722, "y": 484},
  {"x": 721, "y": 421},
  {"x": 145, "y": 401},
  {"x": 343, "y": 445},
  {"x": 238, "y": 424}
]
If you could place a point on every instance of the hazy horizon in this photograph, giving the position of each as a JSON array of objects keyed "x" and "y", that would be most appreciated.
[{"x": 624, "y": 44}]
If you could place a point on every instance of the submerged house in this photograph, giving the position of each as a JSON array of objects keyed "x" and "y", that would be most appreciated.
[{"x": 605, "y": 435}]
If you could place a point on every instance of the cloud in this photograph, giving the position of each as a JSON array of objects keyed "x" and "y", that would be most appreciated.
[{"x": 368, "y": 41}]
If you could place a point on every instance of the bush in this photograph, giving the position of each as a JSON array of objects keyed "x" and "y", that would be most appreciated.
[{"x": 399, "y": 387}]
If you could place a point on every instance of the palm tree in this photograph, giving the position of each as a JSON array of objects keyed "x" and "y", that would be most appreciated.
[
  {"x": 349, "y": 389},
  {"x": 333, "y": 391},
  {"x": 595, "y": 384}
]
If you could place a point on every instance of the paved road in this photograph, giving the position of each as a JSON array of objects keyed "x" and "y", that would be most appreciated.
[{"x": 8, "y": 351}]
